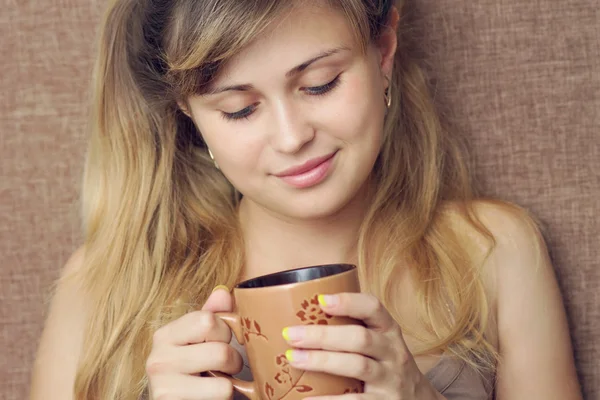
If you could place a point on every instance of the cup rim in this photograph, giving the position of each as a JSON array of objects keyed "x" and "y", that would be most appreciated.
[{"x": 244, "y": 284}]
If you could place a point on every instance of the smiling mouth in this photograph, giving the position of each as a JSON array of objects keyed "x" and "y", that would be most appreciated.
[
  {"x": 310, "y": 173},
  {"x": 307, "y": 166}
]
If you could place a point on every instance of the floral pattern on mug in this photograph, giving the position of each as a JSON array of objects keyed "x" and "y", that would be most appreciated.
[
  {"x": 311, "y": 313},
  {"x": 355, "y": 389},
  {"x": 251, "y": 327},
  {"x": 284, "y": 378}
]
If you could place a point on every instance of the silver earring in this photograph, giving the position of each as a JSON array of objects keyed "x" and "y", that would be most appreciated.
[{"x": 213, "y": 159}]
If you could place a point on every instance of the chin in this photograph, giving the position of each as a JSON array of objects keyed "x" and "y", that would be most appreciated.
[
  {"x": 312, "y": 212},
  {"x": 322, "y": 206}
]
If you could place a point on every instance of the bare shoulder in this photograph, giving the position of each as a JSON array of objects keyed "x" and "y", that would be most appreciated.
[
  {"x": 503, "y": 241},
  {"x": 60, "y": 344},
  {"x": 504, "y": 221},
  {"x": 517, "y": 254},
  {"x": 536, "y": 358},
  {"x": 510, "y": 225},
  {"x": 504, "y": 236}
]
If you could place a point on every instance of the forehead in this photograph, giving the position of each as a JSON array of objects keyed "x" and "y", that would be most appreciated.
[{"x": 299, "y": 34}]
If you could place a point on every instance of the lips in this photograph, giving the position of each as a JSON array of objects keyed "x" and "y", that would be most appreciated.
[
  {"x": 307, "y": 166},
  {"x": 309, "y": 174}
]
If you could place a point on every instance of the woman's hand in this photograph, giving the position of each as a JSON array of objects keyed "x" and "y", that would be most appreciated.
[
  {"x": 375, "y": 354},
  {"x": 197, "y": 342}
]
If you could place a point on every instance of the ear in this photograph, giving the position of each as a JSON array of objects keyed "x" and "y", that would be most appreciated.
[
  {"x": 184, "y": 108},
  {"x": 388, "y": 42}
]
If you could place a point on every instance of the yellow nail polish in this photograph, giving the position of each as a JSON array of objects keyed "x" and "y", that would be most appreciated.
[
  {"x": 286, "y": 334},
  {"x": 289, "y": 354},
  {"x": 219, "y": 287},
  {"x": 321, "y": 299}
]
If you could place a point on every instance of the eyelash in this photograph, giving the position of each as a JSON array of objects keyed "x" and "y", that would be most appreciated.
[
  {"x": 311, "y": 91},
  {"x": 323, "y": 89}
]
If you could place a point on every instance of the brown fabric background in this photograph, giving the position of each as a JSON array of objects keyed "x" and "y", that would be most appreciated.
[{"x": 522, "y": 79}]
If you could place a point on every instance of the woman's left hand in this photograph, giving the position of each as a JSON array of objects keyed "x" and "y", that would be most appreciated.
[{"x": 376, "y": 353}]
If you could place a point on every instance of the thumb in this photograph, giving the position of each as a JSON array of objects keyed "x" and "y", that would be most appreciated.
[{"x": 220, "y": 300}]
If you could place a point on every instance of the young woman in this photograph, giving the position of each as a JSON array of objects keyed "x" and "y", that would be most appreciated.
[{"x": 235, "y": 138}]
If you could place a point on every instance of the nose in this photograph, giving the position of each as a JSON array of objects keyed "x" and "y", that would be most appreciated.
[{"x": 291, "y": 130}]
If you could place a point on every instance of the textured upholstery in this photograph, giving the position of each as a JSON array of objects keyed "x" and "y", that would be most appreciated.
[{"x": 522, "y": 79}]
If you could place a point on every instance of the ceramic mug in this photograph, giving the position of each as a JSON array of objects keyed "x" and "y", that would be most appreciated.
[{"x": 268, "y": 304}]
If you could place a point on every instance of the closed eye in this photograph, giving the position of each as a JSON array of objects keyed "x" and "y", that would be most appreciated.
[
  {"x": 312, "y": 91},
  {"x": 243, "y": 113},
  {"x": 323, "y": 89}
]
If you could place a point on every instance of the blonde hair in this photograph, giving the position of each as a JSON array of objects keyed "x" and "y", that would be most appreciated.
[{"x": 161, "y": 227}]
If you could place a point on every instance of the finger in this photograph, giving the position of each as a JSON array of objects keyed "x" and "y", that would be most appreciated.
[
  {"x": 189, "y": 387},
  {"x": 342, "y": 364},
  {"x": 194, "y": 327},
  {"x": 192, "y": 359},
  {"x": 356, "y": 339},
  {"x": 219, "y": 301},
  {"x": 360, "y": 306}
]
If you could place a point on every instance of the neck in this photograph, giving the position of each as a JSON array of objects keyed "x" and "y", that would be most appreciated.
[{"x": 274, "y": 243}]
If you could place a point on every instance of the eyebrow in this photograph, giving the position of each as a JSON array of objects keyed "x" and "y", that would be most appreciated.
[{"x": 294, "y": 71}]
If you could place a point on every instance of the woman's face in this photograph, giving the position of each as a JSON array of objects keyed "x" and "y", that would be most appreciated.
[{"x": 295, "y": 120}]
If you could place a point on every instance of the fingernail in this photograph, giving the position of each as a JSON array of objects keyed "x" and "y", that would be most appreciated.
[
  {"x": 293, "y": 333},
  {"x": 328, "y": 300},
  {"x": 220, "y": 287},
  {"x": 296, "y": 356}
]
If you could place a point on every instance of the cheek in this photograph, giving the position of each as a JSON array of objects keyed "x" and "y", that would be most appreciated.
[
  {"x": 358, "y": 113},
  {"x": 235, "y": 149},
  {"x": 239, "y": 160}
]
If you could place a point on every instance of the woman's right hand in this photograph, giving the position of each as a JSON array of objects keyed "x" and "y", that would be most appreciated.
[{"x": 195, "y": 343}]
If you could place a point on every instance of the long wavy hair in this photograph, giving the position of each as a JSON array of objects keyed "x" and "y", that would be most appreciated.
[{"x": 161, "y": 226}]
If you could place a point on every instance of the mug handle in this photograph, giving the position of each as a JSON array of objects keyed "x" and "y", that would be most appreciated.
[{"x": 246, "y": 388}]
